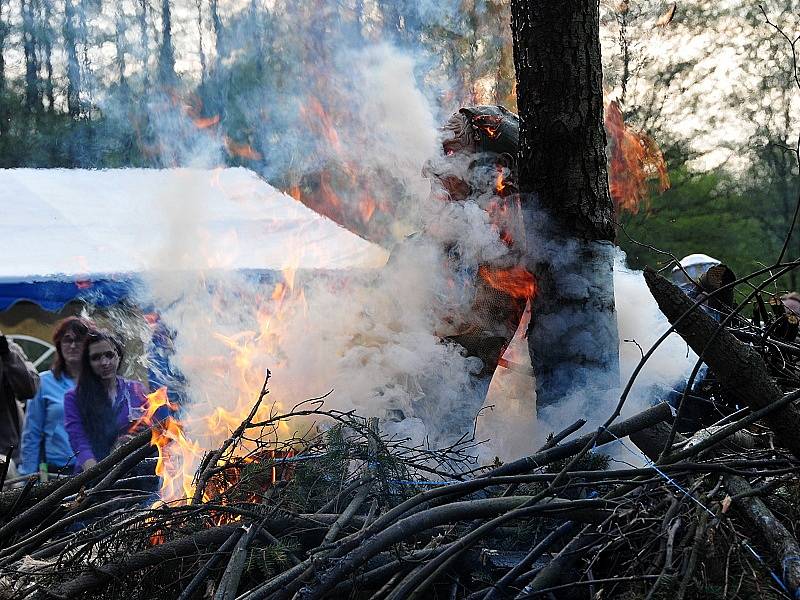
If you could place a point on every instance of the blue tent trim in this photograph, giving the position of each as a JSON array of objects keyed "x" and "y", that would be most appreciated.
[{"x": 53, "y": 294}]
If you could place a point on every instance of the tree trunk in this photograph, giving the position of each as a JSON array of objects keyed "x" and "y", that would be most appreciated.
[
  {"x": 33, "y": 97},
  {"x": 257, "y": 32},
  {"x": 166, "y": 53},
  {"x": 120, "y": 46},
  {"x": 568, "y": 209},
  {"x": 45, "y": 18},
  {"x": 73, "y": 64},
  {"x": 145, "y": 42},
  {"x": 85, "y": 9},
  {"x": 200, "y": 48},
  {"x": 5, "y": 117},
  {"x": 220, "y": 43}
]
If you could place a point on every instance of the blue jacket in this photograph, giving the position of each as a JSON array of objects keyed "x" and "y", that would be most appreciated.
[{"x": 44, "y": 420}]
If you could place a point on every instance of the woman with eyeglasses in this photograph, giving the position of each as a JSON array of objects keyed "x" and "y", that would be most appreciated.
[
  {"x": 45, "y": 445},
  {"x": 103, "y": 406}
]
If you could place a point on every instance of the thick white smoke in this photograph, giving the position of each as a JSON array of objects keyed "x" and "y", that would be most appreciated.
[
  {"x": 512, "y": 427},
  {"x": 374, "y": 337}
]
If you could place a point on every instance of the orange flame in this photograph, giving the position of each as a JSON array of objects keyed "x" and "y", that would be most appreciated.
[
  {"x": 366, "y": 207},
  {"x": 319, "y": 120},
  {"x": 239, "y": 361},
  {"x": 154, "y": 402},
  {"x": 205, "y": 122},
  {"x": 489, "y": 124},
  {"x": 157, "y": 538},
  {"x": 499, "y": 184},
  {"x": 327, "y": 193},
  {"x": 635, "y": 159},
  {"x": 259, "y": 481},
  {"x": 517, "y": 281},
  {"x": 175, "y": 482},
  {"x": 241, "y": 150},
  {"x": 294, "y": 192},
  {"x": 168, "y": 431}
]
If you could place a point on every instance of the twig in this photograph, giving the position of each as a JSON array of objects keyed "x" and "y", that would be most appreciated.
[
  {"x": 229, "y": 583},
  {"x": 211, "y": 564}
]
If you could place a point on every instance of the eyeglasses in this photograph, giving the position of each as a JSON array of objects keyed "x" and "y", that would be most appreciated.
[
  {"x": 109, "y": 354},
  {"x": 69, "y": 340}
]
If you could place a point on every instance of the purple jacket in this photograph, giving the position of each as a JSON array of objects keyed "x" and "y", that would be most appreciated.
[{"x": 129, "y": 405}]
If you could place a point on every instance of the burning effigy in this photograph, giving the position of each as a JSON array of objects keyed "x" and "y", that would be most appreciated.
[{"x": 490, "y": 286}]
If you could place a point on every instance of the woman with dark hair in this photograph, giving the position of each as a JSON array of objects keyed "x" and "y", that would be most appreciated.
[
  {"x": 104, "y": 405},
  {"x": 45, "y": 444}
]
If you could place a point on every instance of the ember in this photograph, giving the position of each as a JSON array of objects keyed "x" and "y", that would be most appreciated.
[
  {"x": 490, "y": 124},
  {"x": 206, "y": 122}
]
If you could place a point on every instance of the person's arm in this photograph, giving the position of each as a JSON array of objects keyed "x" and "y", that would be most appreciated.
[
  {"x": 33, "y": 434},
  {"x": 77, "y": 434},
  {"x": 19, "y": 371}
]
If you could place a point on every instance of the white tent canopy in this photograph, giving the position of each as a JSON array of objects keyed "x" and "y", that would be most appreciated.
[{"x": 82, "y": 222}]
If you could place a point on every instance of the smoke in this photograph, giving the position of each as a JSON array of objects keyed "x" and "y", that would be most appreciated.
[
  {"x": 373, "y": 337},
  {"x": 351, "y": 130},
  {"x": 641, "y": 323},
  {"x": 391, "y": 128},
  {"x": 512, "y": 428}
]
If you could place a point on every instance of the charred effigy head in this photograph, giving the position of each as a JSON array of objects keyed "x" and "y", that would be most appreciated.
[{"x": 479, "y": 153}]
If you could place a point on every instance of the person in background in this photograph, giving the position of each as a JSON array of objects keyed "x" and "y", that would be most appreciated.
[
  {"x": 701, "y": 276},
  {"x": 692, "y": 268},
  {"x": 103, "y": 406},
  {"x": 19, "y": 382},
  {"x": 45, "y": 444}
]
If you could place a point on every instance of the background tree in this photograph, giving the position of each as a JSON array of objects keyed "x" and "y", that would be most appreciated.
[
  {"x": 33, "y": 96},
  {"x": 5, "y": 109},
  {"x": 722, "y": 100},
  {"x": 73, "y": 62},
  {"x": 166, "y": 53}
]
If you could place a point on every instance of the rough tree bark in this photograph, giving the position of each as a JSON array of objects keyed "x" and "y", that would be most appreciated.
[
  {"x": 220, "y": 43},
  {"x": 120, "y": 48},
  {"x": 200, "y": 49},
  {"x": 45, "y": 20},
  {"x": 564, "y": 181},
  {"x": 144, "y": 41}
]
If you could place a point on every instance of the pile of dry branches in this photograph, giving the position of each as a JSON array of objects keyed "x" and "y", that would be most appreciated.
[{"x": 340, "y": 510}]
